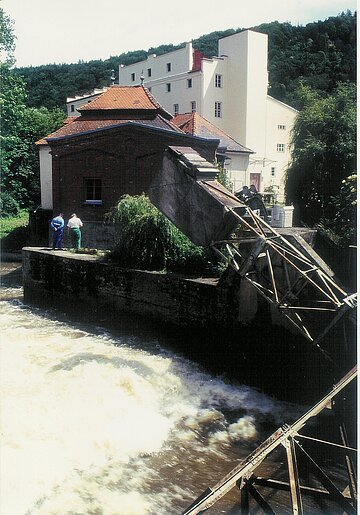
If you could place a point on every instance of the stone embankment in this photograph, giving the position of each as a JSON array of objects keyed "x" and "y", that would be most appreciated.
[{"x": 174, "y": 298}]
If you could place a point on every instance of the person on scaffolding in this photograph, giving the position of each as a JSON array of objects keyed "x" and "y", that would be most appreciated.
[
  {"x": 256, "y": 202},
  {"x": 74, "y": 228}
]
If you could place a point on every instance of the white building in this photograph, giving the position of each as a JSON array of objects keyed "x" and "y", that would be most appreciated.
[
  {"x": 73, "y": 103},
  {"x": 230, "y": 91}
]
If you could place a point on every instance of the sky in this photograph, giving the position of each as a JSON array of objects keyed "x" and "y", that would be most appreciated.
[{"x": 66, "y": 31}]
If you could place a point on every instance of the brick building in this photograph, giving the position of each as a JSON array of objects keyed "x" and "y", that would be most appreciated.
[{"x": 114, "y": 147}]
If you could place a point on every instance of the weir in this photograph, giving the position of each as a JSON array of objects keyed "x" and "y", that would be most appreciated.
[{"x": 299, "y": 285}]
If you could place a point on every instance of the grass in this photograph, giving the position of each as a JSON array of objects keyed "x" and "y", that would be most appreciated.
[
  {"x": 14, "y": 231},
  {"x": 7, "y": 225}
]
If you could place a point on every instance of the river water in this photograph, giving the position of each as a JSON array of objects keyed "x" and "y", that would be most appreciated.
[{"x": 101, "y": 421}]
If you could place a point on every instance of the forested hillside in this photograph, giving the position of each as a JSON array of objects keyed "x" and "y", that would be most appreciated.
[{"x": 319, "y": 54}]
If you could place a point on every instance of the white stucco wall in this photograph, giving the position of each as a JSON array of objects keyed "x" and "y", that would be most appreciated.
[
  {"x": 278, "y": 116},
  {"x": 46, "y": 177},
  {"x": 237, "y": 168},
  {"x": 80, "y": 100},
  {"x": 180, "y": 60},
  {"x": 246, "y": 86},
  {"x": 212, "y": 94}
]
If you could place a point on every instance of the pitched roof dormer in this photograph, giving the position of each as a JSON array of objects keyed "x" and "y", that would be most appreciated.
[{"x": 124, "y": 100}]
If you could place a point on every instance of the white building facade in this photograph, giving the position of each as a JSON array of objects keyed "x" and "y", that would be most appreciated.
[
  {"x": 230, "y": 91},
  {"x": 73, "y": 103}
]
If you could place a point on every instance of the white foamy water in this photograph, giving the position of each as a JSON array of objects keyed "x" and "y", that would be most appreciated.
[{"x": 95, "y": 424}]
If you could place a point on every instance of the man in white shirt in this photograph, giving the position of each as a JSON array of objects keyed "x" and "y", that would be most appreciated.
[{"x": 74, "y": 225}]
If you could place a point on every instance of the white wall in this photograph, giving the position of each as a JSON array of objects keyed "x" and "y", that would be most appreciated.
[
  {"x": 80, "y": 100},
  {"x": 237, "y": 168},
  {"x": 181, "y": 62},
  {"x": 46, "y": 177},
  {"x": 246, "y": 85},
  {"x": 212, "y": 94},
  {"x": 277, "y": 114}
]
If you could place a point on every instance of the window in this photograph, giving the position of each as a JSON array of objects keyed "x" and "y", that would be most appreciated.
[
  {"x": 193, "y": 106},
  {"x": 280, "y": 147},
  {"x": 168, "y": 87},
  {"x": 273, "y": 171},
  {"x": 176, "y": 109},
  {"x": 93, "y": 191},
  {"x": 217, "y": 109},
  {"x": 149, "y": 90},
  {"x": 218, "y": 81},
  {"x": 282, "y": 127},
  {"x": 189, "y": 83},
  {"x": 72, "y": 108},
  {"x": 133, "y": 77},
  {"x": 168, "y": 67},
  {"x": 149, "y": 72}
]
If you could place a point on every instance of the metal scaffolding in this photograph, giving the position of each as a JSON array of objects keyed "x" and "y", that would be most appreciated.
[
  {"x": 286, "y": 277},
  {"x": 244, "y": 475}
]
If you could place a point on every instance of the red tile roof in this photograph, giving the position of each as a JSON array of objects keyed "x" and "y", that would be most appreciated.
[
  {"x": 193, "y": 123},
  {"x": 124, "y": 98},
  {"x": 116, "y": 106},
  {"x": 83, "y": 125}
]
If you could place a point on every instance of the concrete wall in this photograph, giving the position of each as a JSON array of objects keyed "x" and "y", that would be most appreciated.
[{"x": 183, "y": 301}]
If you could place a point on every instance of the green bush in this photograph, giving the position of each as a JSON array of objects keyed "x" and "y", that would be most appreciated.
[
  {"x": 14, "y": 231},
  {"x": 8, "y": 205},
  {"x": 341, "y": 228},
  {"x": 148, "y": 240}
]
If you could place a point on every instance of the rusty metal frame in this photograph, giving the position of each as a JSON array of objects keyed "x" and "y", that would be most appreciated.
[
  {"x": 310, "y": 290},
  {"x": 243, "y": 475}
]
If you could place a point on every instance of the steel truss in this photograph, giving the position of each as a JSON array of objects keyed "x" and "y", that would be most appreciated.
[
  {"x": 286, "y": 277},
  {"x": 324, "y": 488}
]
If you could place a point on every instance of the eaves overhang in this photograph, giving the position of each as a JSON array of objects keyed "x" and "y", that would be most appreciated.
[{"x": 148, "y": 128}]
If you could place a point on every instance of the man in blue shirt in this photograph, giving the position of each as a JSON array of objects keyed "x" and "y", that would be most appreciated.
[{"x": 57, "y": 224}]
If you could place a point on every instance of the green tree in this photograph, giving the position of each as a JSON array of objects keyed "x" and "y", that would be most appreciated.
[
  {"x": 146, "y": 239},
  {"x": 341, "y": 227},
  {"x": 324, "y": 151},
  {"x": 20, "y": 128},
  {"x": 7, "y": 38}
]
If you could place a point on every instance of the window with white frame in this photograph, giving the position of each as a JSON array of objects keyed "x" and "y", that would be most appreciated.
[
  {"x": 218, "y": 110},
  {"x": 282, "y": 127},
  {"x": 168, "y": 87},
  {"x": 168, "y": 67},
  {"x": 189, "y": 83},
  {"x": 72, "y": 108},
  {"x": 149, "y": 72},
  {"x": 280, "y": 147},
  {"x": 193, "y": 106},
  {"x": 176, "y": 109},
  {"x": 218, "y": 81},
  {"x": 133, "y": 77}
]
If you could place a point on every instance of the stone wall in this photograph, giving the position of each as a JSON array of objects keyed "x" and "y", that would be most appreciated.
[{"x": 203, "y": 302}]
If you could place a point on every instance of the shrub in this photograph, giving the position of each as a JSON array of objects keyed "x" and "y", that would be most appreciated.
[
  {"x": 148, "y": 240},
  {"x": 8, "y": 205},
  {"x": 14, "y": 231},
  {"x": 341, "y": 228}
]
